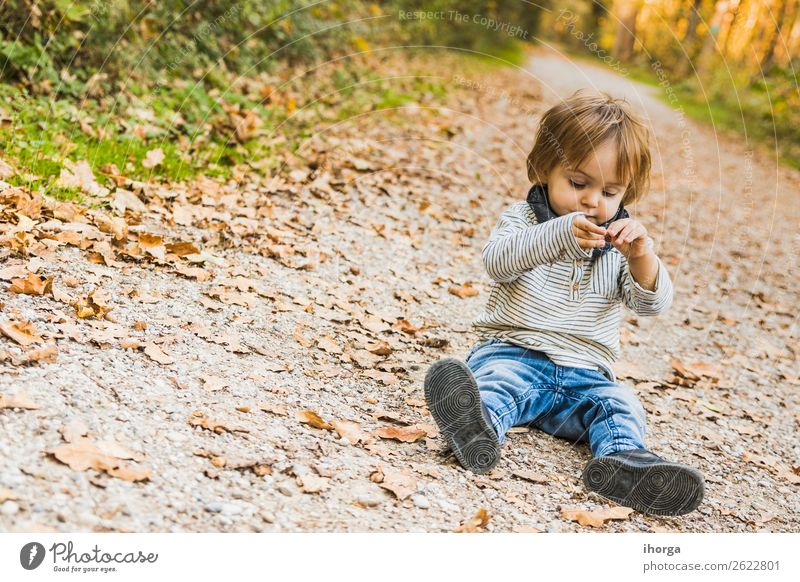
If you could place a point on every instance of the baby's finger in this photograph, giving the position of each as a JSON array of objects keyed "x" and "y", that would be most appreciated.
[
  {"x": 590, "y": 235},
  {"x": 617, "y": 226},
  {"x": 589, "y": 226},
  {"x": 626, "y": 230},
  {"x": 591, "y": 243}
]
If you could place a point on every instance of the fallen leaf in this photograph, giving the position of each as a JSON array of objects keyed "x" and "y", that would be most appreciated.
[
  {"x": 464, "y": 291},
  {"x": 22, "y": 332},
  {"x": 6, "y": 494},
  {"x": 402, "y": 484},
  {"x": 201, "y": 419},
  {"x": 350, "y": 430},
  {"x": 530, "y": 476},
  {"x": 313, "y": 419},
  {"x": 194, "y": 273},
  {"x": 311, "y": 483},
  {"x": 74, "y": 430},
  {"x": 18, "y": 400},
  {"x": 107, "y": 456},
  {"x": 45, "y": 355},
  {"x": 278, "y": 409},
  {"x": 474, "y": 523},
  {"x": 406, "y": 434},
  {"x": 157, "y": 354},
  {"x": 153, "y": 158},
  {"x": 31, "y": 285},
  {"x": 596, "y": 518}
]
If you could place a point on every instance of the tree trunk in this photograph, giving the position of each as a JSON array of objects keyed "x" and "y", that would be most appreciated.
[
  {"x": 626, "y": 12},
  {"x": 689, "y": 40}
]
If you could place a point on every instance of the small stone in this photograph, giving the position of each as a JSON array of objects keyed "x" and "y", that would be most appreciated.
[
  {"x": 268, "y": 516},
  {"x": 554, "y": 527},
  {"x": 214, "y": 507},
  {"x": 421, "y": 501},
  {"x": 175, "y": 437},
  {"x": 231, "y": 509},
  {"x": 285, "y": 490},
  {"x": 9, "y": 508},
  {"x": 368, "y": 495}
]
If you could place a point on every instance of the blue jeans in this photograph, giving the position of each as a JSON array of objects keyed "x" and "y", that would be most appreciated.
[{"x": 522, "y": 386}]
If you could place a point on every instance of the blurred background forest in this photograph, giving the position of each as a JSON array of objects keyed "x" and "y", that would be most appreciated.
[{"x": 104, "y": 80}]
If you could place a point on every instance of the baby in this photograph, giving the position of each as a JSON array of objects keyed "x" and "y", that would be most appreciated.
[{"x": 562, "y": 262}]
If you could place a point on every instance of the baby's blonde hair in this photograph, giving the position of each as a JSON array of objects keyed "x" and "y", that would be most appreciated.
[{"x": 570, "y": 131}]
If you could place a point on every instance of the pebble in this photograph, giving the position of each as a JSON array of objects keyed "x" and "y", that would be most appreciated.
[
  {"x": 231, "y": 509},
  {"x": 421, "y": 501},
  {"x": 9, "y": 508},
  {"x": 285, "y": 490},
  {"x": 175, "y": 437},
  {"x": 554, "y": 527},
  {"x": 214, "y": 507},
  {"x": 368, "y": 495},
  {"x": 268, "y": 516}
]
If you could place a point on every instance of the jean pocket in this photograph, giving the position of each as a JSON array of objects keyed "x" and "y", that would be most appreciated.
[{"x": 479, "y": 345}]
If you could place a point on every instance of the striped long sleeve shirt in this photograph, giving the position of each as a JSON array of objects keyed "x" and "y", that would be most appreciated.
[{"x": 550, "y": 295}]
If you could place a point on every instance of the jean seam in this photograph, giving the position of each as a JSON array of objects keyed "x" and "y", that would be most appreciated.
[{"x": 612, "y": 426}]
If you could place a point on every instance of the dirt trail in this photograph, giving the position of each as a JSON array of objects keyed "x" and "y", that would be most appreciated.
[{"x": 406, "y": 229}]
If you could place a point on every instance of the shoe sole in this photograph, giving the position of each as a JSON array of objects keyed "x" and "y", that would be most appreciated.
[
  {"x": 455, "y": 404},
  {"x": 655, "y": 488}
]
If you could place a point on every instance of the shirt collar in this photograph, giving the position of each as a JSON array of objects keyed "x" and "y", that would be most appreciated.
[{"x": 540, "y": 204}]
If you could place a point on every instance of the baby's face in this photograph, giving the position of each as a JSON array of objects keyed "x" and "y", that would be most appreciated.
[{"x": 593, "y": 187}]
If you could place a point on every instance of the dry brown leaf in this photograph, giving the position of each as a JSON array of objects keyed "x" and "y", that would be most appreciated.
[
  {"x": 278, "y": 409},
  {"x": 386, "y": 378},
  {"x": 365, "y": 359},
  {"x": 401, "y": 483},
  {"x": 73, "y": 431},
  {"x": 18, "y": 400},
  {"x": 214, "y": 383},
  {"x": 45, "y": 355},
  {"x": 182, "y": 249},
  {"x": 311, "y": 483},
  {"x": 153, "y": 158},
  {"x": 194, "y": 273},
  {"x": 94, "y": 305},
  {"x": 703, "y": 368},
  {"x": 6, "y": 494},
  {"x": 530, "y": 476},
  {"x": 464, "y": 291},
  {"x": 84, "y": 454},
  {"x": 406, "y": 434},
  {"x": 201, "y": 419},
  {"x": 350, "y": 430},
  {"x": 596, "y": 518},
  {"x": 14, "y": 272},
  {"x": 22, "y": 332},
  {"x": 313, "y": 419},
  {"x": 378, "y": 347},
  {"x": 157, "y": 354},
  {"x": 327, "y": 344},
  {"x": 474, "y": 523},
  {"x": 128, "y": 472},
  {"x": 31, "y": 285},
  {"x": 80, "y": 175}
]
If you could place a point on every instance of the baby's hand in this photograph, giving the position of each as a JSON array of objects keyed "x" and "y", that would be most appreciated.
[
  {"x": 629, "y": 237},
  {"x": 588, "y": 234}
]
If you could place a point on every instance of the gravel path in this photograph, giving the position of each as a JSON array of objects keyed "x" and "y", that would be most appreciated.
[{"x": 389, "y": 228}]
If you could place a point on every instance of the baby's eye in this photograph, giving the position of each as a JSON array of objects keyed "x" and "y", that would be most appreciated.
[
  {"x": 576, "y": 185},
  {"x": 609, "y": 194}
]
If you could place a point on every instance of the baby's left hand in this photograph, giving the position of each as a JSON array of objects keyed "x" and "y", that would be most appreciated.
[{"x": 629, "y": 237}]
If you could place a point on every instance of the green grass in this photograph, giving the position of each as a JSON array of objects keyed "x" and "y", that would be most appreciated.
[{"x": 46, "y": 132}]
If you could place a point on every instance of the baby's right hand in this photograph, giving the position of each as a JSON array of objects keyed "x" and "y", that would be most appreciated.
[{"x": 588, "y": 234}]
